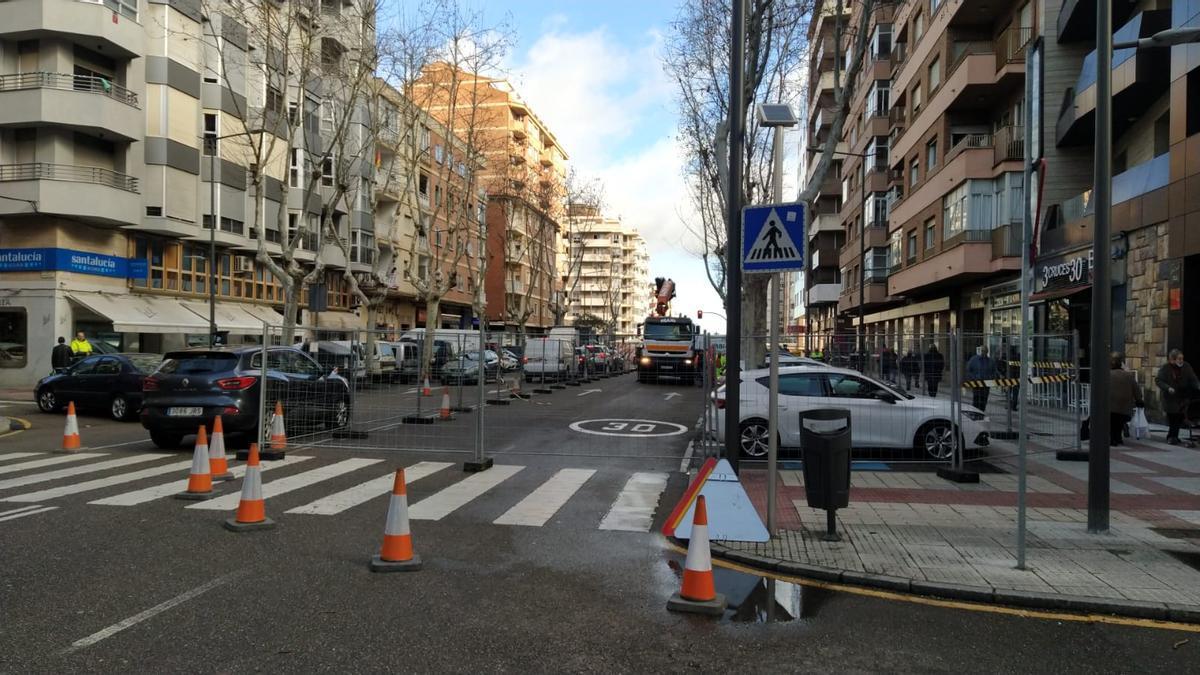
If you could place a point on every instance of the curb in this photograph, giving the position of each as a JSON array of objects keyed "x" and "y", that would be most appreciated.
[
  {"x": 1138, "y": 609},
  {"x": 13, "y": 424}
]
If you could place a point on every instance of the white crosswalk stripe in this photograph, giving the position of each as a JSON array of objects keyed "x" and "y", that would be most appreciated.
[
  {"x": 78, "y": 470},
  {"x": 32, "y": 511},
  {"x": 541, "y": 504},
  {"x": 49, "y": 461},
  {"x": 19, "y": 509},
  {"x": 364, "y": 492},
  {"x": 10, "y": 456},
  {"x": 633, "y": 511},
  {"x": 167, "y": 489},
  {"x": 99, "y": 483},
  {"x": 445, "y": 502},
  {"x": 275, "y": 488}
]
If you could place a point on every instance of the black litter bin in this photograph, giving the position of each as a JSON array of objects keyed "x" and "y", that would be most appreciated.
[{"x": 825, "y": 440}]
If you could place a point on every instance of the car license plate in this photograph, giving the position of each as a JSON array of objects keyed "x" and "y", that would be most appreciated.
[
  {"x": 668, "y": 367},
  {"x": 185, "y": 412}
]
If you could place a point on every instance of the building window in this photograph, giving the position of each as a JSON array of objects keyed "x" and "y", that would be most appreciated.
[
  {"x": 918, "y": 27},
  {"x": 14, "y": 337},
  {"x": 916, "y": 99},
  {"x": 327, "y": 171},
  {"x": 914, "y": 172},
  {"x": 881, "y": 40},
  {"x": 879, "y": 99},
  {"x": 274, "y": 101},
  {"x": 212, "y": 134},
  {"x": 929, "y": 234},
  {"x": 439, "y": 153},
  {"x": 930, "y": 156},
  {"x": 328, "y": 118},
  {"x": 423, "y": 186},
  {"x": 933, "y": 6},
  {"x": 935, "y": 74},
  {"x": 294, "y": 167},
  {"x": 912, "y": 246},
  {"x": 293, "y": 113}
]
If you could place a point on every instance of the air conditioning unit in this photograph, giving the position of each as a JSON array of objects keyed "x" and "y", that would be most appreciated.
[{"x": 243, "y": 264}]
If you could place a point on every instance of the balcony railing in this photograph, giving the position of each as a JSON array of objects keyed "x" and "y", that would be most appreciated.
[
  {"x": 1010, "y": 46},
  {"x": 68, "y": 172},
  {"x": 1006, "y": 241},
  {"x": 969, "y": 142},
  {"x": 899, "y": 55},
  {"x": 85, "y": 83},
  {"x": 1010, "y": 144},
  {"x": 896, "y": 116},
  {"x": 961, "y": 50},
  {"x": 127, "y": 8},
  {"x": 876, "y": 276}
]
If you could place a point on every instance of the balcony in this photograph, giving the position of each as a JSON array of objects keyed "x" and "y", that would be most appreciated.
[
  {"x": 824, "y": 222},
  {"x": 1009, "y": 144},
  {"x": 969, "y": 142},
  {"x": 896, "y": 116},
  {"x": 1010, "y": 46},
  {"x": 966, "y": 256},
  {"x": 1137, "y": 181},
  {"x": 1006, "y": 241},
  {"x": 92, "y": 104},
  {"x": 875, "y": 293},
  {"x": 1077, "y": 18},
  {"x": 93, "y": 194},
  {"x": 824, "y": 294},
  {"x": 1138, "y": 78},
  {"x": 107, "y": 23}
]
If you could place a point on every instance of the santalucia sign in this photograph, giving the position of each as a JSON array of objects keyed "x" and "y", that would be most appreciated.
[{"x": 69, "y": 260}]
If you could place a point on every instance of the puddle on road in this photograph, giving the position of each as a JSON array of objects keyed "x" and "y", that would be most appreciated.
[{"x": 753, "y": 599}]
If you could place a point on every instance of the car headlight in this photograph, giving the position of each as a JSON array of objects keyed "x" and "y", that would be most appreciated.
[
  {"x": 975, "y": 416},
  {"x": 645, "y": 360}
]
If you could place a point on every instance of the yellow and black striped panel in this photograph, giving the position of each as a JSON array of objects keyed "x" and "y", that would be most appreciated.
[
  {"x": 1004, "y": 382},
  {"x": 1053, "y": 364},
  {"x": 1051, "y": 379}
]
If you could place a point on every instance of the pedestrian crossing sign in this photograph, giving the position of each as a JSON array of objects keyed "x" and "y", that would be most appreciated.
[{"x": 773, "y": 238}]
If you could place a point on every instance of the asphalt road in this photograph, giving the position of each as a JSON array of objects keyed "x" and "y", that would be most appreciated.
[{"x": 156, "y": 586}]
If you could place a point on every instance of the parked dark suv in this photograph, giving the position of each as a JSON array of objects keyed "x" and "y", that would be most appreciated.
[{"x": 193, "y": 386}]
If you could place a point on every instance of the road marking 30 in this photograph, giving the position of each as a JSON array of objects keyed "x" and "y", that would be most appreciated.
[{"x": 628, "y": 428}]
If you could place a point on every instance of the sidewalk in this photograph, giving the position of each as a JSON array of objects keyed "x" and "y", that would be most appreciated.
[{"x": 909, "y": 530}]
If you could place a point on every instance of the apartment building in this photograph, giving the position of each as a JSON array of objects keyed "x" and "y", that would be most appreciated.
[
  {"x": 125, "y": 128},
  {"x": 429, "y": 213},
  {"x": 524, "y": 174},
  {"x": 606, "y": 271}
]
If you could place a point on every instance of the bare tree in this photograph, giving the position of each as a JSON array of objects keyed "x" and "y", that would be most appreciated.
[
  {"x": 583, "y": 201},
  {"x": 531, "y": 233}
]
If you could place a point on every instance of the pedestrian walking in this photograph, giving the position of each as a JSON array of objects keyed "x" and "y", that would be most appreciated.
[
  {"x": 934, "y": 363},
  {"x": 60, "y": 357},
  {"x": 1123, "y": 397},
  {"x": 1178, "y": 384},
  {"x": 888, "y": 364},
  {"x": 910, "y": 368},
  {"x": 80, "y": 347},
  {"x": 981, "y": 367}
]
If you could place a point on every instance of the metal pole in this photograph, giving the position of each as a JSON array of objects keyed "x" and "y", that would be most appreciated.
[
  {"x": 1026, "y": 290},
  {"x": 773, "y": 393},
  {"x": 212, "y": 249},
  {"x": 956, "y": 392},
  {"x": 1098, "y": 445},
  {"x": 733, "y": 238},
  {"x": 1076, "y": 389},
  {"x": 862, "y": 263},
  {"x": 481, "y": 379},
  {"x": 262, "y": 392}
]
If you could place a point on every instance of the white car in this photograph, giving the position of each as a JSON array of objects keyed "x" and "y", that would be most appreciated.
[{"x": 880, "y": 415}]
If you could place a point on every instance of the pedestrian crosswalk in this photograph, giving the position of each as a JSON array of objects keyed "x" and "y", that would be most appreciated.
[{"x": 505, "y": 495}]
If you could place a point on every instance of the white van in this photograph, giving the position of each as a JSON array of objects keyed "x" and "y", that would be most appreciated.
[
  {"x": 549, "y": 359},
  {"x": 459, "y": 339},
  {"x": 565, "y": 333}
]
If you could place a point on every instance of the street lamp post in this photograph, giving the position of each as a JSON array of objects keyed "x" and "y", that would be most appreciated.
[{"x": 213, "y": 219}]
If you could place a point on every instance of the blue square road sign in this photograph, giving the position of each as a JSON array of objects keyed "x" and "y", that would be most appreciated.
[{"x": 773, "y": 238}]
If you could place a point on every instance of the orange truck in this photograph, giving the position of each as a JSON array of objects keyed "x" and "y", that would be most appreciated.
[{"x": 667, "y": 349}]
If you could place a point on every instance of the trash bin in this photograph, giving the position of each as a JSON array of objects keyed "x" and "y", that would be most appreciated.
[{"x": 825, "y": 441}]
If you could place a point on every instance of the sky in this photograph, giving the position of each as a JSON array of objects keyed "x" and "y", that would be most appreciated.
[{"x": 592, "y": 71}]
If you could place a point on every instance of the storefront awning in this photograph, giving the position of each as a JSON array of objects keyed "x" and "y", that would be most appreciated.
[
  {"x": 230, "y": 318},
  {"x": 1056, "y": 293},
  {"x": 336, "y": 321},
  {"x": 263, "y": 314},
  {"x": 137, "y": 313}
]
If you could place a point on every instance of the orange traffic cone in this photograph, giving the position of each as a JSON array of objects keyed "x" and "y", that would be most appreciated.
[
  {"x": 71, "y": 431},
  {"x": 698, "y": 595},
  {"x": 200, "y": 479},
  {"x": 251, "y": 511},
  {"x": 397, "y": 552},
  {"x": 425, "y": 390},
  {"x": 445, "y": 411},
  {"x": 217, "y": 464},
  {"x": 277, "y": 448}
]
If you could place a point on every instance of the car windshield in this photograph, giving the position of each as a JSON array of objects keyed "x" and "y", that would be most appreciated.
[
  {"x": 145, "y": 363},
  {"x": 197, "y": 364},
  {"x": 667, "y": 331}
]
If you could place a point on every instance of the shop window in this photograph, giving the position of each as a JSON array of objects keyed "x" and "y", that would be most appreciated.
[{"x": 14, "y": 337}]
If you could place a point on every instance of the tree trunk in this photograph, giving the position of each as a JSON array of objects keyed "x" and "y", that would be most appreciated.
[
  {"x": 291, "y": 305},
  {"x": 433, "y": 310},
  {"x": 755, "y": 328}
]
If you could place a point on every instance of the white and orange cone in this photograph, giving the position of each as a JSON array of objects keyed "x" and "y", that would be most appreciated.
[
  {"x": 397, "y": 555},
  {"x": 218, "y": 466},
  {"x": 425, "y": 390},
  {"x": 276, "y": 448},
  {"x": 445, "y": 410},
  {"x": 70, "y": 441},
  {"x": 199, "y": 479},
  {"x": 698, "y": 594},
  {"x": 252, "y": 510}
]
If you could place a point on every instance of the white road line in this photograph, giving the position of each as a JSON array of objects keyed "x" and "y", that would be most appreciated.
[
  {"x": 33, "y": 512},
  {"x": 98, "y": 483},
  {"x": 77, "y": 470},
  {"x": 585, "y": 392},
  {"x": 445, "y": 502},
  {"x": 49, "y": 461},
  {"x": 8, "y": 456},
  {"x": 633, "y": 511},
  {"x": 150, "y": 613},
  {"x": 229, "y": 502},
  {"x": 540, "y": 505},
  {"x": 167, "y": 489},
  {"x": 364, "y": 492},
  {"x": 16, "y": 510},
  {"x": 144, "y": 441},
  {"x": 686, "y": 462}
]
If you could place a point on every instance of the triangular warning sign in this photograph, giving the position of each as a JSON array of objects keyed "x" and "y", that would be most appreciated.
[{"x": 774, "y": 244}]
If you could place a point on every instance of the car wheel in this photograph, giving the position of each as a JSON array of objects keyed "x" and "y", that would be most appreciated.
[
  {"x": 120, "y": 408},
  {"x": 165, "y": 441},
  {"x": 341, "y": 414},
  {"x": 47, "y": 402},
  {"x": 936, "y": 439},
  {"x": 754, "y": 438}
]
